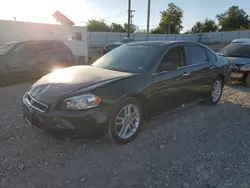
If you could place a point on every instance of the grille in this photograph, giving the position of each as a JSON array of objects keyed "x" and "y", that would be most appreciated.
[
  {"x": 235, "y": 67},
  {"x": 36, "y": 104}
]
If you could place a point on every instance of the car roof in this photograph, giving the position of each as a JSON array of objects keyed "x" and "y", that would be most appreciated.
[
  {"x": 31, "y": 41},
  {"x": 161, "y": 43},
  {"x": 243, "y": 41}
]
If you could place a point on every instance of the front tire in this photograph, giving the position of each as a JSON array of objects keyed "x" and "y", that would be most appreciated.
[
  {"x": 126, "y": 121},
  {"x": 246, "y": 79},
  {"x": 216, "y": 91}
]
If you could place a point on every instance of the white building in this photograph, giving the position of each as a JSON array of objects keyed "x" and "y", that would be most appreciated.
[{"x": 74, "y": 36}]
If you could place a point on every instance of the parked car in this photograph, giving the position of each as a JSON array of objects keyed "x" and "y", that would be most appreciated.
[
  {"x": 125, "y": 87},
  {"x": 107, "y": 48},
  {"x": 26, "y": 59},
  {"x": 238, "y": 55}
]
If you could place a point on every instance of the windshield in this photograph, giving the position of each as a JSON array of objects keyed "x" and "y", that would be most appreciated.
[
  {"x": 129, "y": 58},
  {"x": 236, "y": 50},
  {"x": 4, "y": 48}
]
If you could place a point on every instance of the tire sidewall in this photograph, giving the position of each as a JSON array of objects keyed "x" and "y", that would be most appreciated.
[
  {"x": 210, "y": 93},
  {"x": 112, "y": 125}
]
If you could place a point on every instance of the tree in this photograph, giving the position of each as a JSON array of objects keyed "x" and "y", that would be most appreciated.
[
  {"x": 132, "y": 29},
  {"x": 95, "y": 25},
  {"x": 141, "y": 31},
  {"x": 207, "y": 26},
  {"x": 233, "y": 19},
  {"x": 172, "y": 14},
  {"x": 117, "y": 28}
]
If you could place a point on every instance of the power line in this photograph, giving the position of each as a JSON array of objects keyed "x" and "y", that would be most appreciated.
[{"x": 111, "y": 16}]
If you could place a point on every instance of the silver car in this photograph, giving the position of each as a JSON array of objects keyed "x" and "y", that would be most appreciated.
[{"x": 238, "y": 56}]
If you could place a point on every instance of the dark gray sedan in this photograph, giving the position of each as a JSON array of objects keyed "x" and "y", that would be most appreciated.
[{"x": 125, "y": 87}]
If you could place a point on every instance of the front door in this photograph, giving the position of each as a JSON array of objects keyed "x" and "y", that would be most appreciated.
[
  {"x": 22, "y": 61},
  {"x": 172, "y": 83}
]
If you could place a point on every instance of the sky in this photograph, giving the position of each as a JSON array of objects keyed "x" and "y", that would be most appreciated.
[{"x": 80, "y": 11}]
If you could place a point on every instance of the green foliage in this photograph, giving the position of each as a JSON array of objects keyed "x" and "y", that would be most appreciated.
[
  {"x": 172, "y": 14},
  {"x": 117, "y": 28},
  {"x": 233, "y": 19},
  {"x": 204, "y": 27},
  {"x": 95, "y": 25},
  {"x": 101, "y": 26},
  {"x": 132, "y": 29}
]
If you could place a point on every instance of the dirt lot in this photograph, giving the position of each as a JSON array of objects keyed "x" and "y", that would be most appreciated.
[{"x": 196, "y": 146}]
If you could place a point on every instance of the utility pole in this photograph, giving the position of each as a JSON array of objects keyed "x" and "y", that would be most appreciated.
[
  {"x": 129, "y": 14},
  {"x": 148, "y": 19},
  {"x": 168, "y": 25},
  {"x": 131, "y": 20}
]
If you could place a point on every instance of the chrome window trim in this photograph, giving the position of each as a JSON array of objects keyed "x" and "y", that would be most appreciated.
[
  {"x": 179, "y": 68},
  {"x": 35, "y": 101}
]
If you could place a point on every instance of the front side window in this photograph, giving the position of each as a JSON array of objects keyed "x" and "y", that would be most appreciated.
[
  {"x": 173, "y": 59},
  {"x": 28, "y": 50},
  {"x": 196, "y": 54},
  {"x": 236, "y": 50},
  {"x": 129, "y": 58}
]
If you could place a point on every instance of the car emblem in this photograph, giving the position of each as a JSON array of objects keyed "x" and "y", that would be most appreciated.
[{"x": 32, "y": 101}]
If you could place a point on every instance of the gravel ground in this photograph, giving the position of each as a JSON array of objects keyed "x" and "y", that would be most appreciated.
[{"x": 196, "y": 146}]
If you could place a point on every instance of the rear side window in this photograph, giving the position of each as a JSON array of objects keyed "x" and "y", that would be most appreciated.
[
  {"x": 49, "y": 46},
  {"x": 195, "y": 54}
]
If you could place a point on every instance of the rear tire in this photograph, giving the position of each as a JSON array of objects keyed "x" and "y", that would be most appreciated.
[
  {"x": 126, "y": 121},
  {"x": 216, "y": 91}
]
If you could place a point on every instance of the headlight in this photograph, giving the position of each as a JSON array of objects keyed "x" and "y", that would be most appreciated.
[
  {"x": 82, "y": 102},
  {"x": 245, "y": 67}
]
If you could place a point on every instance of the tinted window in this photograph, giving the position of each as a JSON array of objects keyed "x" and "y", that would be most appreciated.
[
  {"x": 173, "y": 59},
  {"x": 130, "y": 58},
  {"x": 236, "y": 50},
  {"x": 196, "y": 54},
  {"x": 49, "y": 46},
  {"x": 27, "y": 50}
]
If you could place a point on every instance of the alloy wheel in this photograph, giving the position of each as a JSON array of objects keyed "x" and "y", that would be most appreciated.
[
  {"x": 127, "y": 121},
  {"x": 216, "y": 91}
]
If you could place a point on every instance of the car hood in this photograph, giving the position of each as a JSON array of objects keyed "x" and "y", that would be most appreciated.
[
  {"x": 58, "y": 84},
  {"x": 238, "y": 60}
]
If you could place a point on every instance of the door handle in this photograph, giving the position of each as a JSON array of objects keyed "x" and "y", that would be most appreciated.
[
  {"x": 186, "y": 74},
  {"x": 211, "y": 67}
]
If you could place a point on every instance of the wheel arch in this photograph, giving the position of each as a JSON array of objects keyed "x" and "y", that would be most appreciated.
[
  {"x": 143, "y": 101},
  {"x": 222, "y": 77}
]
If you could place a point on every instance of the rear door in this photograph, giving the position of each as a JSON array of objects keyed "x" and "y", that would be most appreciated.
[
  {"x": 23, "y": 60},
  {"x": 198, "y": 60},
  {"x": 172, "y": 82}
]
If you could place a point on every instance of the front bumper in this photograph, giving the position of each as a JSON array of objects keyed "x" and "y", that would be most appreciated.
[
  {"x": 67, "y": 123},
  {"x": 236, "y": 73}
]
